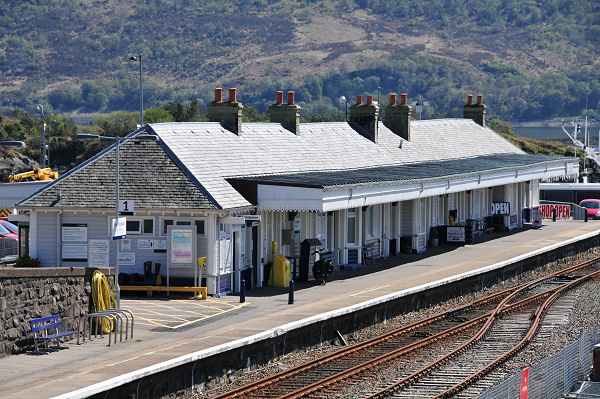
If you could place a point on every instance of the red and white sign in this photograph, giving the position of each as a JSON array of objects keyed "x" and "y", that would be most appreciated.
[
  {"x": 524, "y": 392},
  {"x": 562, "y": 211}
]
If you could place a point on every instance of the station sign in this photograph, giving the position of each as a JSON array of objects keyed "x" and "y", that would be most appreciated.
[
  {"x": 500, "y": 208},
  {"x": 126, "y": 207},
  {"x": 562, "y": 211}
]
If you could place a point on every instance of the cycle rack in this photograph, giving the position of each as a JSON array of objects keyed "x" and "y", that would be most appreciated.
[{"x": 115, "y": 319}]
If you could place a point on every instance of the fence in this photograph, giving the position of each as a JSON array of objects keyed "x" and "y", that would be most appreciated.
[
  {"x": 8, "y": 246},
  {"x": 576, "y": 212},
  {"x": 553, "y": 376}
]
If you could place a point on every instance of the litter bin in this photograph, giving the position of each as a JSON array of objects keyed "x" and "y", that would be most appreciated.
[{"x": 308, "y": 250}]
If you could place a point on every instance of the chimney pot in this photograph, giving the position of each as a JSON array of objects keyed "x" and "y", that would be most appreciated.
[
  {"x": 358, "y": 100},
  {"x": 218, "y": 94},
  {"x": 403, "y": 98},
  {"x": 232, "y": 95},
  {"x": 470, "y": 99},
  {"x": 291, "y": 97},
  {"x": 480, "y": 99},
  {"x": 369, "y": 100},
  {"x": 392, "y": 99},
  {"x": 279, "y": 97}
]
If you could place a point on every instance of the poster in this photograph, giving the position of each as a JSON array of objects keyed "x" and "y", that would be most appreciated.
[
  {"x": 125, "y": 244},
  {"x": 455, "y": 234},
  {"x": 99, "y": 252},
  {"x": 75, "y": 252},
  {"x": 160, "y": 245},
  {"x": 145, "y": 244},
  {"x": 119, "y": 230},
  {"x": 182, "y": 246},
  {"x": 74, "y": 232},
  {"x": 126, "y": 259}
]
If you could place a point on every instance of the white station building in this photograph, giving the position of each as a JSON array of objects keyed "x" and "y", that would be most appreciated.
[{"x": 239, "y": 186}]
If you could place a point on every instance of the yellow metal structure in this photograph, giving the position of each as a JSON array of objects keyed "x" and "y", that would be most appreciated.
[{"x": 35, "y": 174}]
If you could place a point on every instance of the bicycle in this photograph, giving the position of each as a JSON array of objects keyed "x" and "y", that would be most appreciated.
[{"x": 323, "y": 266}]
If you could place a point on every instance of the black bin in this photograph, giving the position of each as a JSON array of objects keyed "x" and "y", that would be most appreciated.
[{"x": 308, "y": 250}]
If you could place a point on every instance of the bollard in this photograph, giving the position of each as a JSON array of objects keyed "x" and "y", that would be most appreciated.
[
  {"x": 243, "y": 291},
  {"x": 585, "y": 217},
  {"x": 554, "y": 214},
  {"x": 291, "y": 293}
]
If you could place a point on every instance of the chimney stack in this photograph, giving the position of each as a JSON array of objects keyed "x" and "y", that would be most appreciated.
[
  {"x": 366, "y": 116},
  {"x": 228, "y": 113},
  {"x": 286, "y": 114},
  {"x": 475, "y": 111},
  {"x": 397, "y": 116}
]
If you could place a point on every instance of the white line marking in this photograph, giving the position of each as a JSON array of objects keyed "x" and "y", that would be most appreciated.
[{"x": 373, "y": 289}]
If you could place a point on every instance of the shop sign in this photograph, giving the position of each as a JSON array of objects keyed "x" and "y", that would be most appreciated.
[
  {"x": 455, "y": 234},
  {"x": 562, "y": 211},
  {"x": 500, "y": 208}
]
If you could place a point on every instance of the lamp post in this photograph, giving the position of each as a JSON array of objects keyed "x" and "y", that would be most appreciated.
[
  {"x": 118, "y": 141},
  {"x": 344, "y": 101},
  {"x": 40, "y": 107},
  {"x": 139, "y": 58}
]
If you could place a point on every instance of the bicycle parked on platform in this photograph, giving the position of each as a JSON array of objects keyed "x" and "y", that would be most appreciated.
[{"x": 323, "y": 266}]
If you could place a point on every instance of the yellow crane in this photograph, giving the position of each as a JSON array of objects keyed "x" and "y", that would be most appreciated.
[{"x": 35, "y": 174}]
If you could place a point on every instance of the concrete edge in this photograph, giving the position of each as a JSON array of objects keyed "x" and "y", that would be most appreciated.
[{"x": 195, "y": 356}]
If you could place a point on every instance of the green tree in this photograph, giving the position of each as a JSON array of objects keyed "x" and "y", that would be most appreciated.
[
  {"x": 118, "y": 123},
  {"x": 157, "y": 115}
]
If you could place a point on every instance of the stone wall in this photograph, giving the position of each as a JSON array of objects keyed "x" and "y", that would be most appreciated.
[{"x": 28, "y": 293}]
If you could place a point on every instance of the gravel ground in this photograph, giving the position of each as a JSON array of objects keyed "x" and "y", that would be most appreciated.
[{"x": 585, "y": 315}]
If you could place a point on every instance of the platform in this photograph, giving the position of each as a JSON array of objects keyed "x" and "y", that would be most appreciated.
[{"x": 86, "y": 369}]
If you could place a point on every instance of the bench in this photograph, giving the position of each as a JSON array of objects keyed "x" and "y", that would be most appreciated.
[{"x": 42, "y": 327}]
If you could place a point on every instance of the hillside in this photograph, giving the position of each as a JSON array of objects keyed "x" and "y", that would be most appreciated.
[{"x": 531, "y": 59}]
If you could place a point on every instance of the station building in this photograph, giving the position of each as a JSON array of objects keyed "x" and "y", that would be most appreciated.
[{"x": 365, "y": 182}]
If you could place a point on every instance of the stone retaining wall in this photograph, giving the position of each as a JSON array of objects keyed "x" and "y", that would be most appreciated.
[{"x": 28, "y": 293}]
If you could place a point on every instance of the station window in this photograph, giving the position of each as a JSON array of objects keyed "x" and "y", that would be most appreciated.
[
  {"x": 137, "y": 226},
  {"x": 351, "y": 236},
  {"x": 199, "y": 223}
]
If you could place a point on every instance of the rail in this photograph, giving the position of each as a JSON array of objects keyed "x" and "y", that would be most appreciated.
[{"x": 115, "y": 318}]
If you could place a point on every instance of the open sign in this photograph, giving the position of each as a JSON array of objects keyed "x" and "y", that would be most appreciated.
[
  {"x": 562, "y": 211},
  {"x": 500, "y": 208}
]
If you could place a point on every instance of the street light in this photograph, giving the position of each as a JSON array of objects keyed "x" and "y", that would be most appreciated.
[
  {"x": 40, "y": 107},
  {"x": 118, "y": 141},
  {"x": 139, "y": 58},
  {"x": 344, "y": 101}
]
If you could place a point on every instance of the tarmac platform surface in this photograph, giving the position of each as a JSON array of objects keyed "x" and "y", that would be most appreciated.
[{"x": 170, "y": 332}]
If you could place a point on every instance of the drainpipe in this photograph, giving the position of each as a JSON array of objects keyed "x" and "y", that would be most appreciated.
[
  {"x": 218, "y": 257},
  {"x": 58, "y": 238}
]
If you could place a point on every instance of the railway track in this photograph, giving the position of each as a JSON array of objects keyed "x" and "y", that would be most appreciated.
[{"x": 348, "y": 372}]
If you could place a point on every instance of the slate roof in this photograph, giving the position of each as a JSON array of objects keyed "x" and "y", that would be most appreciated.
[
  {"x": 147, "y": 175},
  {"x": 212, "y": 153},
  {"x": 404, "y": 173}
]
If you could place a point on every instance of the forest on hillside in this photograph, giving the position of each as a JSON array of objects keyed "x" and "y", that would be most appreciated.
[{"x": 531, "y": 59}]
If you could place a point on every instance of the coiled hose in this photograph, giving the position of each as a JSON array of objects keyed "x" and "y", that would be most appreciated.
[{"x": 103, "y": 297}]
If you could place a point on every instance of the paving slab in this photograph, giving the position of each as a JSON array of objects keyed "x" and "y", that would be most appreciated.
[{"x": 93, "y": 363}]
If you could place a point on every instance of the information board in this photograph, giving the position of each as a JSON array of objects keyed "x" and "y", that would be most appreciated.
[
  {"x": 74, "y": 232},
  {"x": 77, "y": 252},
  {"x": 455, "y": 234},
  {"x": 99, "y": 252}
]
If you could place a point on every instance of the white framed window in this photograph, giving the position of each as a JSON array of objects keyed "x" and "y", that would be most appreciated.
[
  {"x": 199, "y": 223},
  {"x": 351, "y": 226},
  {"x": 136, "y": 226}
]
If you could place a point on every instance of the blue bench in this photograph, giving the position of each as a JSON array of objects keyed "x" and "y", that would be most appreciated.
[{"x": 42, "y": 331}]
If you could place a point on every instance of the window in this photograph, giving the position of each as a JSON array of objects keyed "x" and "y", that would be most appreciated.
[
  {"x": 137, "y": 226},
  {"x": 134, "y": 226},
  {"x": 351, "y": 230},
  {"x": 199, "y": 223}
]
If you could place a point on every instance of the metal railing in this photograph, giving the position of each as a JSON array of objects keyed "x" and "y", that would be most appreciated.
[
  {"x": 553, "y": 377},
  {"x": 115, "y": 319}
]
